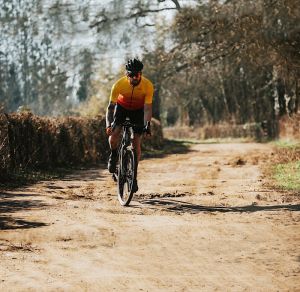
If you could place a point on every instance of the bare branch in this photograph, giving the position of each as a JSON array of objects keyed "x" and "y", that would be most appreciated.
[
  {"x": 146, "y": 25},
  {"x": 143, "y": 13},
  {"x": 177, "y": 4},
  {"x": 102, "y": 17},
  {"x": 174, "y": 1}
]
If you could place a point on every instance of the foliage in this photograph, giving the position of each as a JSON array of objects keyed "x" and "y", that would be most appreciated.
[
  {"x": 219, "y": 62},
  {"x": 34, "y": 143},
  {"x": 232, "y": 61},
  {"x": 50, "y": 50},
  {"x": 90, "y": 108},
  {"x": 29, "y": 73},
  {"x": 85, "y": 72}
]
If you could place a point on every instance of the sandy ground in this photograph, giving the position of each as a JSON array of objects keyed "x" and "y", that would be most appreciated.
[{"x": 202, "y": 221}]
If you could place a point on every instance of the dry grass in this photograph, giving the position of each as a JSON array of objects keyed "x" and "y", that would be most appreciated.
[
  {"x": 12, "y": 247},
  {"x": 289, "y": 127},
  {"x": 285, "y": 152},
  {"x": 30, "y": 142},
  {"x": 251, "y": 131},
  {"x": 40, "y": 142}
]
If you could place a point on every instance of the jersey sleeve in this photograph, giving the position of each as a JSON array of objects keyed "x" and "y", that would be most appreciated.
[
  {"x": 114, "y": 93},
  {"x": 149, "y": 93}
]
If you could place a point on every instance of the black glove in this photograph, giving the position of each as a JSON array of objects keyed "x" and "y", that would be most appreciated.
[{"x": 147, "y": 129}]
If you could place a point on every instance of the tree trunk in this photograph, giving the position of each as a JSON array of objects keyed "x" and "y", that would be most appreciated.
[
  {"x": 297, "y": 94},
  {"x": 156, "y": 102}
]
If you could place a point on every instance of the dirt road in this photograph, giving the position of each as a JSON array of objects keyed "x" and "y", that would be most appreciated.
[{"x": 202, "y": 221}]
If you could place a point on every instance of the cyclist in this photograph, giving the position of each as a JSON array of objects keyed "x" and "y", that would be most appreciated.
[{"x": 131, "y": 96}]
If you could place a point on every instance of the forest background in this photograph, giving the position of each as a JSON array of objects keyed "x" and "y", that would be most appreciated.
[{"x": 212, "y": 62}]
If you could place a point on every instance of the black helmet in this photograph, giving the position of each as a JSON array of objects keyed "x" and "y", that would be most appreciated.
[{"x": 134, "y": 66}]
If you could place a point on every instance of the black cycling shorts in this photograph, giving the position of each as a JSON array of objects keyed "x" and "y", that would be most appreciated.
[{"x": 135, "y": 116}]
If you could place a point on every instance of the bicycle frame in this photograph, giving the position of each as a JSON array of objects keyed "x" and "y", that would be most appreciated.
[
  {"x": 127, "y": 164},
  {"x": 126, "y": 141}
]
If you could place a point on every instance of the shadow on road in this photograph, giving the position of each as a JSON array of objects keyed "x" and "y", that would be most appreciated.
[
  {"x": 88, "y": 174},
  {"x": 15, "y": 202},
  {"x": 168, "y": 147},
  {"x": 10, "y": 223},
  {"x": 184, "y": 207}
]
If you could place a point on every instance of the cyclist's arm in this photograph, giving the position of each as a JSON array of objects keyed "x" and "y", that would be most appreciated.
[
  {"x": 111, "y": 106},
  {"x": 110, "y": 114},
  {"x": 147, "y": 112},
  {"x": 147, "y": 119},
  {"x": 148, "y": 103}
]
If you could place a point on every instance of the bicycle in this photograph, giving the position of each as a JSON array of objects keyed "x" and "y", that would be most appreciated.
[{"x": 126, "y": 171}]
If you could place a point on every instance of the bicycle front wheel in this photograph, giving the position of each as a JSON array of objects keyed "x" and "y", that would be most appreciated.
[{"x": 126, "y": 176}]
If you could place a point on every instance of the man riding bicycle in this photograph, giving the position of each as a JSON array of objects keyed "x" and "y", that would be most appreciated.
[{"x": 131, "y": 97}]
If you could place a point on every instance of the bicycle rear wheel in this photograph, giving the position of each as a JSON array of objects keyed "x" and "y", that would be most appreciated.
[{"x": 126, "y": 176}]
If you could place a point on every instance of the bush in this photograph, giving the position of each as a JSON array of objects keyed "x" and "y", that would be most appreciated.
[{"x": 33, "y": 142}]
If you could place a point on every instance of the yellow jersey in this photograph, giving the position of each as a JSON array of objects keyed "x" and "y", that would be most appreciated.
[{"x": 132, "y": 97}]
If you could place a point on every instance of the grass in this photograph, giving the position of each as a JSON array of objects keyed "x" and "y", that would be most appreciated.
[
  {"x": 287, "y": 175},
  {"x": 286, "y": 165},
  {"x": 286, "y": 144}
]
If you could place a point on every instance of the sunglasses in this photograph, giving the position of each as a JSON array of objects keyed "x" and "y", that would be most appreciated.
[{"x": 133, "y": 74}]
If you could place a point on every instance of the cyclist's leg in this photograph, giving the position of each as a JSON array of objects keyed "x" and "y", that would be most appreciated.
[
  {"x": 119, "y": 118},
  {"x": 137, "y": 118},
  {"x": 137, "y": 145},
  {"x": 114, "y": 138},
  {"x": 137, "y": 151}
]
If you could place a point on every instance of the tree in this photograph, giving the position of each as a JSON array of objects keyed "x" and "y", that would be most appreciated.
[
  {"x": 85, "y": 73},
  {"x": 28, "y": 43},
  {"x": 58, "y": 42},
  {"x": 235, "y": 62}
]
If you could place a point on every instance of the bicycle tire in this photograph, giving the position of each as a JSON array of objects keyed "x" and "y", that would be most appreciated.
[{"x": 126, "y": 176}]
